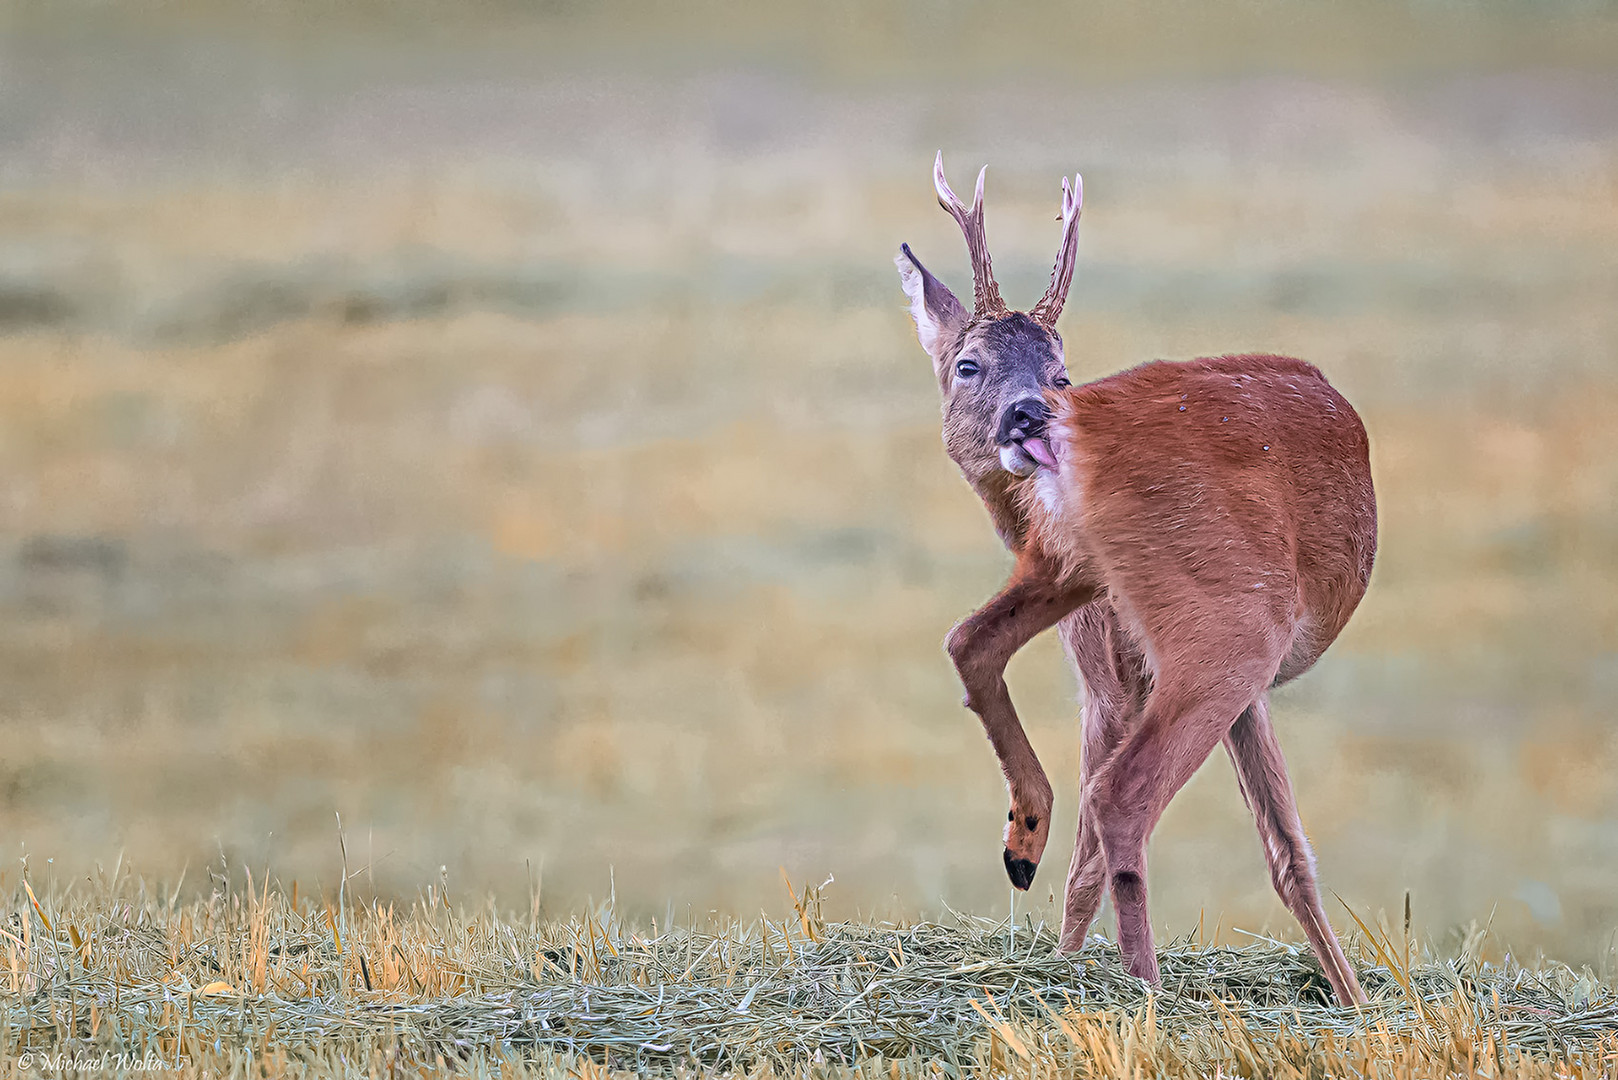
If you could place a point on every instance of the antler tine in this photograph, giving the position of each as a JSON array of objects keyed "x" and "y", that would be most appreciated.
[
  {"x": 985, "y": 291},
  {"x": 1049, "y": 307}
]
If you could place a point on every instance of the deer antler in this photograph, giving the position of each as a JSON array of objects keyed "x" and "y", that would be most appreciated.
[
  {"x": 1050, "y": 305},
  {"x": 986, "y": 302}
]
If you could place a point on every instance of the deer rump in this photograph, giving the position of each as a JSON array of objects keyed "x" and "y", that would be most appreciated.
[{"x": 1226, "y": 498}]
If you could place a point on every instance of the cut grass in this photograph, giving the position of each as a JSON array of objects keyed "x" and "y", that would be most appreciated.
[{"x": 274, "y": 981}]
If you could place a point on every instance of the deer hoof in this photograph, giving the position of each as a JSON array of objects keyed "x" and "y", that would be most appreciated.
[{"x": 1020, "y": 871}]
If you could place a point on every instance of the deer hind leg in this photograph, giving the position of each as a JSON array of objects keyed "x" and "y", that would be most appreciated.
[
  {"x": 1262, "y": 772},
  {"x": 1180, "y": 727},
  {"x": 1115, "y": 685}
]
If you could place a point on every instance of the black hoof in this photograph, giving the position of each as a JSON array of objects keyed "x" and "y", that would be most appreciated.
[{"x": 1020, "y": 871}]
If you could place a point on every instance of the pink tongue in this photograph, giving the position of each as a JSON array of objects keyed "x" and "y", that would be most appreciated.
[{"x": 1040, "y": 451}]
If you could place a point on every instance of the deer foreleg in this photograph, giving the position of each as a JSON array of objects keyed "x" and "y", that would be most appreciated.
[
  {"x": 980, "y": 646},
  {"x": 1087, "y": 873}
]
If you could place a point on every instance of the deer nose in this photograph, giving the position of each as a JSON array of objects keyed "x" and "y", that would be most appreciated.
[{"x": 1024, "y": 419}]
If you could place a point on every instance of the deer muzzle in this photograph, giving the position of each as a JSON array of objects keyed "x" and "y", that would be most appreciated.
[{"x": 1021, "y": 437}]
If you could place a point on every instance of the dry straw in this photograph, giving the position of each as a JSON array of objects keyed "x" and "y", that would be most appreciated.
[{"x": 265, "y": 981}]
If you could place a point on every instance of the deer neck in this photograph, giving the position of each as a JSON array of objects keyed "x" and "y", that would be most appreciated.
[{"x": 1010, "y": 521}]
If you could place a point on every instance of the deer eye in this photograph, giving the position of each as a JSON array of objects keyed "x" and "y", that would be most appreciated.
[
  {"x": 966, "y": 368},
  {"x": 1061, "y": 380}
]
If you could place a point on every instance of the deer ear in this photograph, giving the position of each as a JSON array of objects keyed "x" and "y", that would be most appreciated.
[{"x": 939, "y": 316}]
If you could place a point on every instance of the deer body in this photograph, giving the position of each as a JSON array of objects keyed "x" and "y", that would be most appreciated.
[
  {"x": 1198, "y": 531},
  {"x": 1210, "y": 495}
]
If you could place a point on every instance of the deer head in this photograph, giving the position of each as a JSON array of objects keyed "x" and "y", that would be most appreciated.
[{"x": 994, "y": 365}]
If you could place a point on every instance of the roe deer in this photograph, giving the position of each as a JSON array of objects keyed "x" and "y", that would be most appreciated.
[{"x": 1198, "y": 531}]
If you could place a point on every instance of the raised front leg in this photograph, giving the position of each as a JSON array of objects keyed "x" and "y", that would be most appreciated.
[{"x": 980, "y": 646}]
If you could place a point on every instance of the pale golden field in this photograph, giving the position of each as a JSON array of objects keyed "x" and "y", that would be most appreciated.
[
  {"x": 517, "y": 446},
  {"x": 115, "y": 978}
]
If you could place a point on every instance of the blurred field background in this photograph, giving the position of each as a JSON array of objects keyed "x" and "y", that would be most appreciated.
[{"x": 499, "y": 425}]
